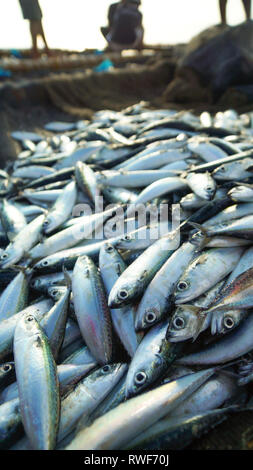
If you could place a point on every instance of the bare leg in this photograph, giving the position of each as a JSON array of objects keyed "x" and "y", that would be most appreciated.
[
  {"x": 223, "y": 10},
  {"x": 247, "y": 8},
  {"x": 36, "y": 29},
  {"x": 138, "y": 44},
  {"x": 42, "y": 34},
  {"x": 34, "y": 35}
]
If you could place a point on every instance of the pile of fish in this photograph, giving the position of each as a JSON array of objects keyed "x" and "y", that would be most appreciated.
[{"x": 107, "y": 316}]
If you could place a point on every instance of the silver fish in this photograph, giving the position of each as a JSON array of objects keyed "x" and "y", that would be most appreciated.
[
  {"x": 123, "y": 423},
  {"x": 37, "y": 384},
  {"x": 91, "y": 309}
]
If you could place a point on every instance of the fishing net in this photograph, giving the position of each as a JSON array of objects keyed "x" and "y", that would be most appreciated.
[{"x": 31, "y": 104}]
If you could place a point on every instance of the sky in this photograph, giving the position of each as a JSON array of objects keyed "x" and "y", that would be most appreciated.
[{"x": 75, "y": 24}]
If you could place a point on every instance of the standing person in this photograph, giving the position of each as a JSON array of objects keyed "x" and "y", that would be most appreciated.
[
  {"x": 32, "y": 12},
  {"x": 126, "y": 31},
  {"x": 223, "y": 10}
]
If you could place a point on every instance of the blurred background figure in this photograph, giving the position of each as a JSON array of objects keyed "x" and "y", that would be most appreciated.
[
  {"x": 223, "y": 9},
  {"x": 125, "y": 29},
  {"x": 32, "y": 12},
  {"x": 111, "y": 12}
]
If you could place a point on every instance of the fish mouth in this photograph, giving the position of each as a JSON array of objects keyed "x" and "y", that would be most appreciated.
[
  {"x": 174, "y": 337},
  {"x": 140, "y": 326},
  {"x": 170, "y": 334},
  {"x": 180, "y": 299},
  {"x": 130, "y": 393},
  {"x": 38, "y": 267},
  {"x": 6, "y": 263},
  {"x": 2, "y": 264},
  {"x": 113, "y": 303}
]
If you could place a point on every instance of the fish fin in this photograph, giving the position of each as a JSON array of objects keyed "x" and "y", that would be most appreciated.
[
  {"x": 100, "y": 185},
  {"x": 214, "y": 329},
  {"x": 199, "y": 327},
  {"x": 28, "y": 256},
  {"x": 200, "y": 243},
  {"x": 242, "y": 183},
  {"x": 192, "y": 167},
  {"x": 198, "y": 227},
  {"x": 183, "y": 173},
  {"x": 203, "y": 244},
  {"x": 222, "y": 370},
  {"x": 41, "y": 238},
  {"x": 228, "y": 364},
  {"x": 167, "y": 336},
  {"x": 229, "y": 373},
  {"x": 24, "y": 269},
  {"x": 194, "y": 308},
  {"x": 18, "y": 268},
  {"x": 11, "y": 236},
  {"x": 67, "y": 277}
]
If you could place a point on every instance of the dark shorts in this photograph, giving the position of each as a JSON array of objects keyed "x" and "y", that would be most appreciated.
[{"x": 31, "y": 10}]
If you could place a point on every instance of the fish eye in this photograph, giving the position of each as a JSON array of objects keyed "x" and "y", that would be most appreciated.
[
  {"x": 150, "y": 317},
  {"x": 126, "y": 238},
  {"x": 7, "y": 367},
  {"x": 182, "y": 285},
  {"x": 46, "y": 223},
  {"x": 209, "y": 188},
  {"x": 54, "y": 292},
  {"x": 179, "y": 323},
  {"x": 30, "y": 318},
  {"x": 4, "y": 256},
  {"x": 229, "y": 322},
  {"x": 222, "y": 168},
  {"x": 44, "y": 263},
  {"x": 109, "y": 248},
  {"x": 140, "y": 378},
  {"x": 106, "y": 369},
  {"x": 123, "y": 294}
]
